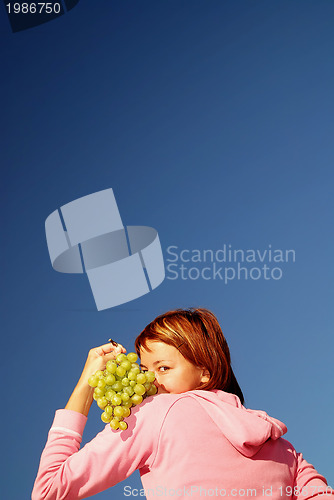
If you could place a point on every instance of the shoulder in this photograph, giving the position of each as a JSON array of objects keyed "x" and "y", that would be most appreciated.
[
  {"x": 154, "y": 410},
  {"x": 162, "y": 402},
  {"x": 150, "y": 417},
  {"x": 158, "y": 405}
]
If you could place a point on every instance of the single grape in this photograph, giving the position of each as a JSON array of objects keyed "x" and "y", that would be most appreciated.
[
  {"x": 136, "y": 399},
  {"x": 120, "y": 357},
  {"x": 110, "y": 394},
  {"x": 125, "y": 397},
  {"x": 139, "y": 389},
  {"x": 105, "y": 417},
  {"x": 132, "y": 375},
  {"x": 128, "y": 390},
  {"x": 125, "y": 382},
  {"x": 127, "y": 404},
  {"x": 120, "y": 371},
  {"x": 133, "y": 383},
  {"x": 135, "y": 368},
  {"x": 114, "y": 424},
  {"x": 126, "y": 412},
  {"x": 118, "y": 411},
  {"x": 108, "y": 409},
  {"x": 93, "y": 380},
  {"x": 116, "y": 400},
  {"x": 99, "y": 373},
  {"x": 150, "y": 376},
  {"x": 123, "y": 426},
  {"x": 132, "y": 357},
  {"x": 141, "y": 378},
  {"x": 117, "y": 386},
  {"x": 152, "y": 391},
  {"x": 99, "y": 392},
  {"x": 102, "y": 402},
  {"x": 101, "y": 383},
  {"x": 110, "y": 379},
  {"x": 126, "y": 364},
  {"x": 111, "y": 366}
]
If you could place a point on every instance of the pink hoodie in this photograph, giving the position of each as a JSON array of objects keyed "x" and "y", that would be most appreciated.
[{"x": 195, "y": 444}]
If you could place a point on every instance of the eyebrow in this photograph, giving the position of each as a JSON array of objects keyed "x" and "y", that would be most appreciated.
[{"x": 156, "y": 362}]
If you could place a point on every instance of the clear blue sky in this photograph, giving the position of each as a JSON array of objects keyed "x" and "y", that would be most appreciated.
[{"x": 213, "y": 123}]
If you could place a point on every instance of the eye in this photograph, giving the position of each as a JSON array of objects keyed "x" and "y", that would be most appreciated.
[{"x": 163, "y": 368}]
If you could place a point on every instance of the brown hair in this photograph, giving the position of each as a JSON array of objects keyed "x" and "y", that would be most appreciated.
[{"x": 196, "y": 333}]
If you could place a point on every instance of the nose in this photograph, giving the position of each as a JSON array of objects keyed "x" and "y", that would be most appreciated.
[
  {"x": 156, "y": 383},
  {"x": 160, "y": 388}
]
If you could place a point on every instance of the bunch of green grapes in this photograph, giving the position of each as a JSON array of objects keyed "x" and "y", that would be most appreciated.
[{"x": 119, "y": 387}]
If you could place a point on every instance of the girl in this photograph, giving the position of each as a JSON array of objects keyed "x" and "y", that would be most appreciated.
[{"x": 193, "y": 438}]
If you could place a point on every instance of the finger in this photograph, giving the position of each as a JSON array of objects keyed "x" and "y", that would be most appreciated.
[
  {"x": 110, "y": 356},
  {"x": 116, "y": 344},
  {"x": 109, "y": 348},
  {"x": 105, "y": 349}
]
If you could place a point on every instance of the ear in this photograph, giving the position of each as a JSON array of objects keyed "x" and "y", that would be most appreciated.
[{"x": 205, "y": 377}]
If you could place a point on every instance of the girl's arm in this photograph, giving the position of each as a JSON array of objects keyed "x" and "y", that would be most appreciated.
[
  {"x": 65, "y": 470},
  {"x": 68, "y": 472},
  {"x": 309, "y": 484}
]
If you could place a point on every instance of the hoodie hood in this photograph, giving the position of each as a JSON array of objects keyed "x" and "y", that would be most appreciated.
[{"x": 247, "y": 430}]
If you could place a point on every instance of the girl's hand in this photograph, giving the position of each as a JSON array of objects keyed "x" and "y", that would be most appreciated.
[
  {"x": 98, "y": 357},
  {"x": 82, "y": 396}
]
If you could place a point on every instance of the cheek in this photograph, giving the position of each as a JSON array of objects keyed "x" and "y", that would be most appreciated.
[
  {"x": 186, "y": 380},
  {"x": 193, "y": 377},
  {"x": 171, "y": 382}
]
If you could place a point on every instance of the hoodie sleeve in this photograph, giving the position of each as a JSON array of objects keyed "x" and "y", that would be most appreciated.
[
  {"x": 68, "y": 472},
  {"x": 309, "y": 483}
]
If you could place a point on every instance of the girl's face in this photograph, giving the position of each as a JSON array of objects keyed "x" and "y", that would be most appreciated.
[{"x": 173, "y": 373}]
